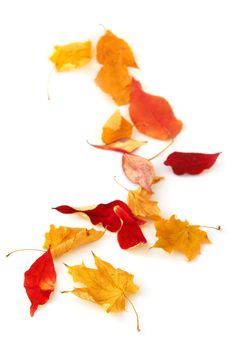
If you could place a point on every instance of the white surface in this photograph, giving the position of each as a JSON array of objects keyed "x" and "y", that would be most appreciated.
[{"x": 185, "y": 51}]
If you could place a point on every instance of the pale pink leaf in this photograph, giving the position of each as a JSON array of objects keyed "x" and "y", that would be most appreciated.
[{"x": 138, "y": 170}]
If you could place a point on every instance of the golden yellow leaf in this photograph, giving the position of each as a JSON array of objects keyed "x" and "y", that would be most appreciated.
[
  {"x": 71, "y": 56},
  {"x": 106, "y": 285},
  {"x": 142, "y": 206},
  {"x": 111, "y": 48},
  {"x": 114, "y": 79},
  {"x": 116, "y": 127},
  {"x": 174, "y": 234},
  {"x": 62, "y": 239}
]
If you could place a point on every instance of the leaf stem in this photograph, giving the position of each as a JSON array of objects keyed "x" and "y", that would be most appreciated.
[
  {"x": 48, "y": 83},
  {"x": 163, "y": 150},
  {"x": 218, "y": 228},
  {"x": 100, "y": 24},
  {"x": 120, "y": 184},
  {"x": 22, "y": 250},
  {"x": 137, "y": 317}
]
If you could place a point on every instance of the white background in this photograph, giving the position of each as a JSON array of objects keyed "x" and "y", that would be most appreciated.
[{"x": 185, "y": 52}]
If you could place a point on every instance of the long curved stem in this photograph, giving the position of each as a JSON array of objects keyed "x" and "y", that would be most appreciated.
[
  {"x": 22, "y": 250},
  {"x": 137, "y": 317},
  {"x": 163, "y": 150},
  {"x": 120, "y": 184}
]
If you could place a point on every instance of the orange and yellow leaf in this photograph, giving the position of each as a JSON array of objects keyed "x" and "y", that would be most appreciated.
[
  {"x": 110, "y": 48},
  {"x": 114, "y": 79},
  {"x": 174, "y": 234},
  {"x": 71, "y": 56},
  {"x": 116, "y": 127},
  {"x": 62, "y": 239}
]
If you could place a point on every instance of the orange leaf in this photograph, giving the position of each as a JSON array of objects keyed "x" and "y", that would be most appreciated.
[
  {"x": 174, "y": 234},
  {"x": 71, "y": 56},
  {"x": 111, "y": 48},
  {"x": 116, "y": 127},
  {"x": 114, "y": 79},
  {"x": 152, "y": 115}
]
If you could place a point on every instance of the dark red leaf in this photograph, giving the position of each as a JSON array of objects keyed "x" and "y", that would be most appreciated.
[
  {"x": 39, "y": 281},
  {"x": 190, "y": 163},
  {"x": 102, "y": 214},
  {"x": 130, "y": 234}
]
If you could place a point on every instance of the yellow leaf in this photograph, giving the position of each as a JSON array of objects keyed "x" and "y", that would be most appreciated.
[
  {"x": 106, "y": 285},
  {"x": 71, "y": 56},
  {"x": 111, "y": 48},
  {"x": 174, "y": 234},
  {"x": 141, "y": 205},
  {"x": 62, "y": 239},
  {"x": 116, "y": 128},
  {"x": 114, "y": 79}
]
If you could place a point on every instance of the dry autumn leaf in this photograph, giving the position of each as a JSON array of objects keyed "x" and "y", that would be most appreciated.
[
  {"x": 116, "y": 127},
  {"x": 152, "y": 115},
  {"x": 106, "y": 285},
  {"x": 190, "y": 162},
  {"x": 142, "y": 206},
  {"x": 138, "y": 170},
  {"x": 110, "y": 48},
  {"x": 124, "y": 146},
  {"x": 102, "y": 214},
  {"x": 114, "y": 219},
  {"x": 39, "y": 281},
  {"x": 174, "y": 234},
  {"x": 62, "y": 239},
  {"x": 130, "y": 234},
  {"x": 71, "y": 56},
  {"x": 114, "y": 79}
]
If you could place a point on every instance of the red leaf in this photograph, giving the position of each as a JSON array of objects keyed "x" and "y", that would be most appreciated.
[
  {"x": 190, "y": 163},
  {"x": 138, "y": 170},
  {"x": 152, "y": 115},
  {"x": 102, "y": 214},
  {"x": 39, "y": 281},
  {"x": 130, "y": 234}
]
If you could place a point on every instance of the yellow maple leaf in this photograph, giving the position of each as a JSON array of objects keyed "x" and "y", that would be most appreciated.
[
  {"x": 111, "y": 48},
  {"x": 174, "y": 234},
  {"x": 71, "y": 56},
  {"x": 116, "y": 127},
  {"x": 114, "y": 79},
  {"x": 62, "y": 239},
  {"x": 142, "y": 206},
  {"x": 106, "y": 285}
]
